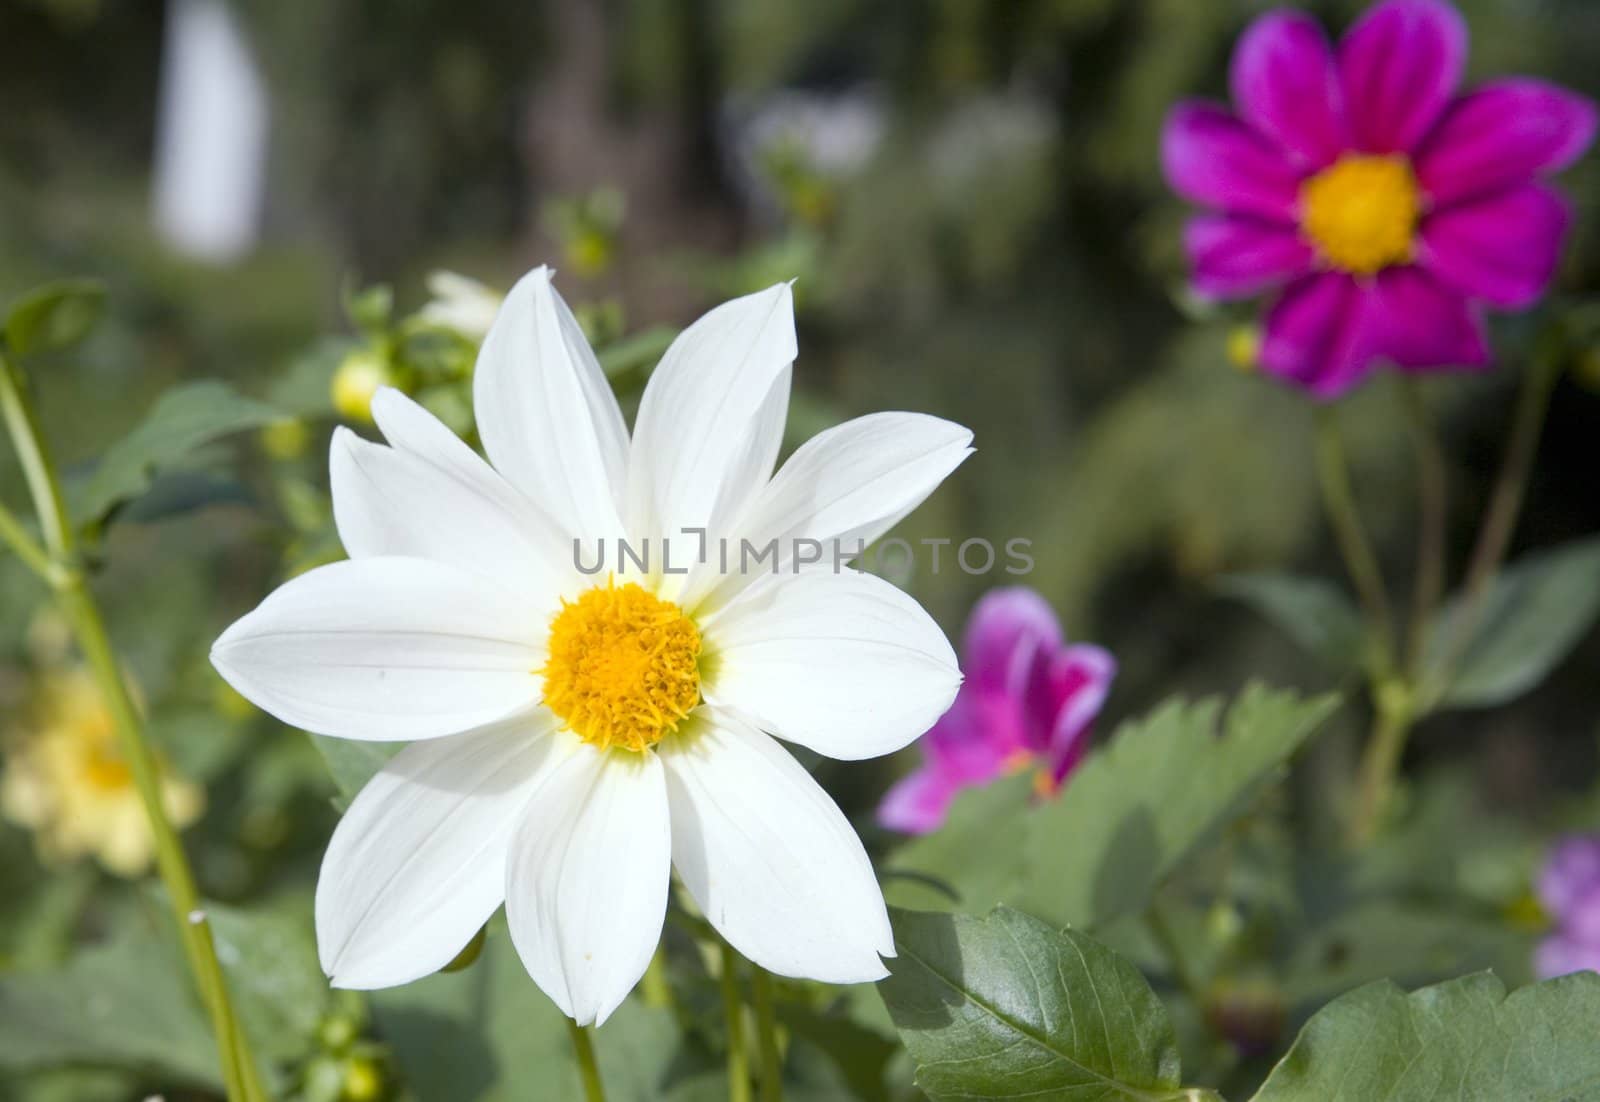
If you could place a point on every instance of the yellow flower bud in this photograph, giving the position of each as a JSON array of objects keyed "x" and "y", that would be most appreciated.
[
  {"x": 356, "y": 381},
  {"x": 1244, "y": 347},
  {"x": 286, "y": 439}
]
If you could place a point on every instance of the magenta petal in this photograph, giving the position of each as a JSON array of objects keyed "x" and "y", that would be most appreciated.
[
  {"x": 1078, "y": 681},
  {"x": 1285, "y": 85},
  {"x": 918, "y": 802},
  {"x": 1006, "y": 630},
  {"x": 1399, "y": 66},
  {"x": 978, "y": 737},
  {"x": 1419, "y": 324},
  {"x": 1235, "y": 256},
  {"x": 1316, "y": 334},
  {"x": 1501, "y": 134},
  {"x": 1212, "y": 158},
  {"x": 1502, "y": 248}
]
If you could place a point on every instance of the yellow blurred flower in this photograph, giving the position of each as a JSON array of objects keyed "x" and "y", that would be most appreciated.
[
  {"x": 1244, "y": 347},
  {"x": 357, "y": 379},
  {"x": 66, "y": 780}
]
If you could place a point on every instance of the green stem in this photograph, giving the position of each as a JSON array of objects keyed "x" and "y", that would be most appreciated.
[
  {"x": 1380, "y": 761},
  {"x": 1160, "y": 929},
  {"x": 1505, "y": 505},
  {"x": 733, "y": 1010},
  {"x": 27, "y": 549},
  {"x": 1432, "y": 510},
  {"x": 767, "y": 1026},
  {"x": 588, "y": 1068},
  {"x": 77, "y": 603},
  {"x": 1339, "y": 501}
]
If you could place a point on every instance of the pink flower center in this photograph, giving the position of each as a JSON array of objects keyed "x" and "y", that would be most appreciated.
[{"x": 1361, "y": 212}]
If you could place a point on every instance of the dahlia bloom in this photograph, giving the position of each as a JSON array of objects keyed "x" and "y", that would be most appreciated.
[
  {"x": 1569, "y": 890},
  {"x": 582, "y": 723},
  {"x": 1386, "y": 209},
  {"x": 1029, "y": 700},
  {"x": 66, "y": 780}
]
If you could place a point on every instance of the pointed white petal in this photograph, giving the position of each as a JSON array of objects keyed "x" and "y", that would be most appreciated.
[
  {"x": 417, "y": 864},
  {"x": 843, "y": 663},
  {"x": 388, "y": 649},
  {"x": 454, "y": 510},
  {"x": 769, "y": 858},
  {"x": 586, "y": 883},
  {"x": 546, "y": 413},
  {"x": 849, "y": 485},
  {"x": 696, "y": 416}
]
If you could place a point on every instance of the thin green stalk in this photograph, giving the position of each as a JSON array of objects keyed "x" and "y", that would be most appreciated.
[
  {"x": 239, "y": 1071},
  {"x": 1339, "y": 501},
  {"x": 767, "y": 1027},
  {"x": 1432, "y": 514},
  {"x": 1156, "y": 921},
  {"x": 733, "y": 1010},
  {"x": 588, "y": 1068},
  {"x": 1505, "y": 505},
  {"x": 1380, "y": 761},
  {"x": 28, "y": 550}
]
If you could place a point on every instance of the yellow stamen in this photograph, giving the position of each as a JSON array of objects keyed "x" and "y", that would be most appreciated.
[
  {"x": 624, "y": 667},
  {"x": 1361, "y": 213}
]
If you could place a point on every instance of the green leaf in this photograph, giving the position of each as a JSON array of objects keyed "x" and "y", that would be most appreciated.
[
  {"x": 1461, "y": 1041},
  {"x": 1007, "y": 1007},
  {"x": 1313, "y": 612},
  {"x": 352, "y": 762},
  {"x": 1136, "y": 808},
  {"x": 184, "y": 419},
  {"x": 270, "y": 954},
  {"x": 125, "y": 1004},
  {"x": 1533, "y": 615},
  {"x": 55, "y": 316}
]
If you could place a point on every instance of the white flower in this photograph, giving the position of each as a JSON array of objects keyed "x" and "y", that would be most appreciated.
[
  {"x": 460, "y": 303},
  {"x": 577, "y": 736}
]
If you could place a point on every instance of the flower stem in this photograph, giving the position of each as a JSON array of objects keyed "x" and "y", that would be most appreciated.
[
  {"x": 1339, "y": 501},
  {"x": 1392, "y": 721},
  {"x": 1432, "y": 510},
  {"x": 733, "y": 1010},
  {"x": 588, "y": 1068},
  {"x": 767, "y": 1026},
  {"x": 28, "y": 550},
  {"x": 1505, "y": 505},
  {"x": 71, "y": 588}
]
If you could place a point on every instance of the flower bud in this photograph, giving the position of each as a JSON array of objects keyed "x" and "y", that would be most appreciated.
[{"x": 356, "y": 381}]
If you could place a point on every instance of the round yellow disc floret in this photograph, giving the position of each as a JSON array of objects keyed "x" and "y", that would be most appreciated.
[
  {"x": 624, "y": 667},
  {"x": 1361, "y": 213}
]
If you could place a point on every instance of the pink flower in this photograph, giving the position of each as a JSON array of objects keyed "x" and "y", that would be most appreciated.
[
  {"x": 1029, "y": 698},
  {"x": 1569, "y": 890},
  {"x": 1389, "y": 209}
]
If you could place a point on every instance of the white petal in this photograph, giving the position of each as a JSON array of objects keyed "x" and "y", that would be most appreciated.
[
  {"x": 418, "y": 863},
  {"x": 546, "y": 413},
  {"x": 769, "y": 858},
  {"x": 389, "y": 649},
  {"x": 843, "y": 663},
  {"x": 392, "y": 501},
  {"x": 586, "y": 883},
  {"x": 846, "y": 487},
  {"x": 696, "y": 416}
]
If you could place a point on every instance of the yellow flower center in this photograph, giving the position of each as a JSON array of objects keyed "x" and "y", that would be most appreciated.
[
  {"x": 1361, "y": 212},
  {"x": 623, "y": 668}
]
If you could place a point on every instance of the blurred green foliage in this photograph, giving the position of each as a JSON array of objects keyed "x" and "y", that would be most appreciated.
[{"x": 1003, "y": 253}]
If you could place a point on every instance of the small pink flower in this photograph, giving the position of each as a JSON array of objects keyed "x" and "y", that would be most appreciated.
[
  {"x": 1029, "y": 698},
  {"x": 1569, "y": 890},
  {"x": 1389, "y": 209}
]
